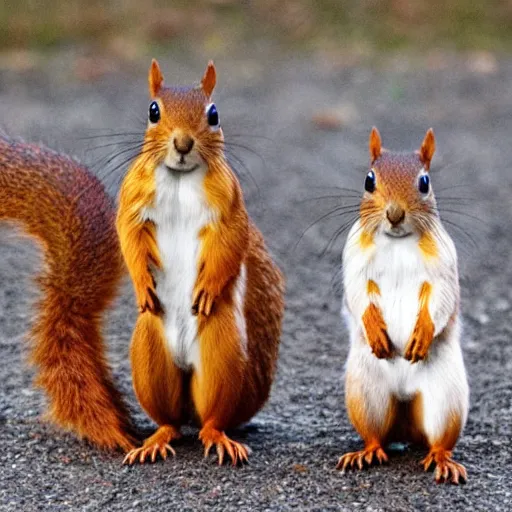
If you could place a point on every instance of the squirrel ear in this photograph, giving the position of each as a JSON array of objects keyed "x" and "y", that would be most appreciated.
[
  {"x": 375, "y": 144},
  {"x": 428, "y": 146},
  {"x": 155, "y": 79},
  {"x": 209, "y": 79}
]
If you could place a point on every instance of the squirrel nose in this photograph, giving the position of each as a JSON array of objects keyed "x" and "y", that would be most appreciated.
[
  {"x": 395, "y": 214},
  {"x": 183, "y": 144}
]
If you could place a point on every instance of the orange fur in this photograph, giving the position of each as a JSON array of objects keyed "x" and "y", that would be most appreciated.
[
  {"x": 372, "y": 288},
  {"x": 366, "y": 240},
  {"x": 375, "y": 144},
  {"x": 150, "y": 357},
  {"x": 234, "y": 380},
  {"x": 376, "y": 332},
  {"x": 397, "y": 189},
  {"x": 427, "y": 149},
  {"x": 428, "y": 245},
  {"x": 66, "y": 209},
  {"x": 224, "y": 243},
  {"x": 423, "y": 333},
  {"x": 440, "y": 449},
  {"x": 136, "y": 236},
  {"x": 374, "y": 434}
]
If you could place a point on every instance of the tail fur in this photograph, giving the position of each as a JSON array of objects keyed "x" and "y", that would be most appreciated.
[{"x": 66, "y": 209}]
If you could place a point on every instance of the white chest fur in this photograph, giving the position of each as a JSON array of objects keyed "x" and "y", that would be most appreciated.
[
  {"x": 399, "y": 269},
  {"x": 179, "y": 213}
]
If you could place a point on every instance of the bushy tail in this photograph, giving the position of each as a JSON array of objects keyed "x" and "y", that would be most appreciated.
[{"x": 66, "y": 209}]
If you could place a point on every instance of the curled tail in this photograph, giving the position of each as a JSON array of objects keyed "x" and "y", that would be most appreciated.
[{"x": 66, "y": 209}]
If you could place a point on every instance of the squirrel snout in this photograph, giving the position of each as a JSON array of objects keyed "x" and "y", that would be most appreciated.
[
  {"x": 395, "y": 214},
  {"x": 183, "y": 144}
]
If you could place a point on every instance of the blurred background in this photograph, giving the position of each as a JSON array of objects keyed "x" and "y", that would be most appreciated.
[
  {"x": 356, "y": 29},
  {"x": 300, "y": 84},
  {"x": 369, "y": 25}
]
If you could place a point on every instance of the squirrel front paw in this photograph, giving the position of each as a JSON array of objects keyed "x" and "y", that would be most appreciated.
[
  {"x": 150, "y": 302},
  {"x": 419, "y": 343},
  {"x": 147, "y": 299},
  {"x": 376, "y": 333},
  {"x": 380, "y": 344},
  {"x": 203, "y": 301}
]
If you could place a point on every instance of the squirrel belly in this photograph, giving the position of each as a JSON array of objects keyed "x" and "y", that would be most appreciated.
[
  {"x": 65, "y": 208},
  {"x": 399, "y": 268},
  {"x": 180, "y": 213}
]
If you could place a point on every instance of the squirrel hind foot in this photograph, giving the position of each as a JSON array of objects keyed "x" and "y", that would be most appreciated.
[
  {"x": 157, "y": 444},
  {"x": 357, "y": 460},
  {"x": 237, "y": 452},
  {"x": 446, "y": 469}
]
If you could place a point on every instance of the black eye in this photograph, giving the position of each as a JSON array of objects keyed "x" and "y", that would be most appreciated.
[
  {"x": 423, "y": 184},
  {"x": 213, "y": 115},
  {"x": 369, "y": 182},
  {"x": 154, "y": 112}
]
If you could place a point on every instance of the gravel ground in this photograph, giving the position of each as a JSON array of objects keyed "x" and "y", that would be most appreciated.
[{"x": 280, "y": 109}]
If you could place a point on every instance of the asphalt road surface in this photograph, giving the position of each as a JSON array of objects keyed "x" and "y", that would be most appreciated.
[{"x": 305, "y": 124}]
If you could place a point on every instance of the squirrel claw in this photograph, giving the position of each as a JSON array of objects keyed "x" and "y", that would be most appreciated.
[
  {"x": 150, "y": 303},
  {"x": 419, "y": 343},
  {"x": 144, "y": 452},
  {"x": 417, "y": 348},
  {"x": 381, "y": 345},
  {"x": 157, "y": 444},
  {"x": 357, "y": 460},
  {"x": 203, "y": 303},
  {"x": 238, "y": 452},
  {"x": 447, "y": 470}
]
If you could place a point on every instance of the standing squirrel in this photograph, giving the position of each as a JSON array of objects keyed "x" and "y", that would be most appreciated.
[
  {"x": 62, "y": 206},
  {"x": 405, "y": 376},
  {"x": 210, "y": 298}
]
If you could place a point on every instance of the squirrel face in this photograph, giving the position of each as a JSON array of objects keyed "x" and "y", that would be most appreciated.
[
  {"x": 183, "y": 131},
  {"x": 398, "y": 198}
]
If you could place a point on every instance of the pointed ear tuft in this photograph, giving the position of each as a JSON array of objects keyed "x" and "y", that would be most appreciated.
[
  {"x": 155, "y": 79},
  {"x": 375, "y": 144},
  {"x": 209, "y": 79},
  {"x": 428, "y": 147}
]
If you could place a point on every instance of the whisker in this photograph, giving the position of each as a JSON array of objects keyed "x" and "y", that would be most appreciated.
[
  {"x": 321, "y": 198},
  {"x": 338, "y": 233},
  {"x": 332, "y": 213},
  {"x": 111, "y": 135},
  {"x": 247, "y": 172},
  {"x": 462, "y": 230},
  {"x": 248, "y": 135},
  {"x": 113, "y": 144},
  {"x": 464, "y": 214},
  {"x": 359, "y": 193}
]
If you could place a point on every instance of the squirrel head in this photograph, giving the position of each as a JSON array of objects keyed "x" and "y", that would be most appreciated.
[
  {"x": 398, "y": 198},
  {"x": 183, "y": 131}
]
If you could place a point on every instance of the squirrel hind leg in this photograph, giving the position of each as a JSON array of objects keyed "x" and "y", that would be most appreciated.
[
  {"x": 159, "y": 386},
  {"x": 219, "y": 385},
  {"x": 440, "y": 411},
  {"x": 157, "y": 444},
  {"x": 372, "y": 409},
  {"x": 371, "y": 453},
  {"x": 225, "y": 446}
]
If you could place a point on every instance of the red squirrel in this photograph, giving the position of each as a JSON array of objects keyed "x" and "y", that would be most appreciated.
[
  {"x": 405, "y": 377},
  {"x": 210, "y": 298},
  {"x": 66, "y": 210}
]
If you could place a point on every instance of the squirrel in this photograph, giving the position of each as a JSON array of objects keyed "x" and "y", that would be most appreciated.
[
  {"x": 210, "y": 299},
  {"x": 405, "y": 377},
  {"x": 64, "y": 208}
]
